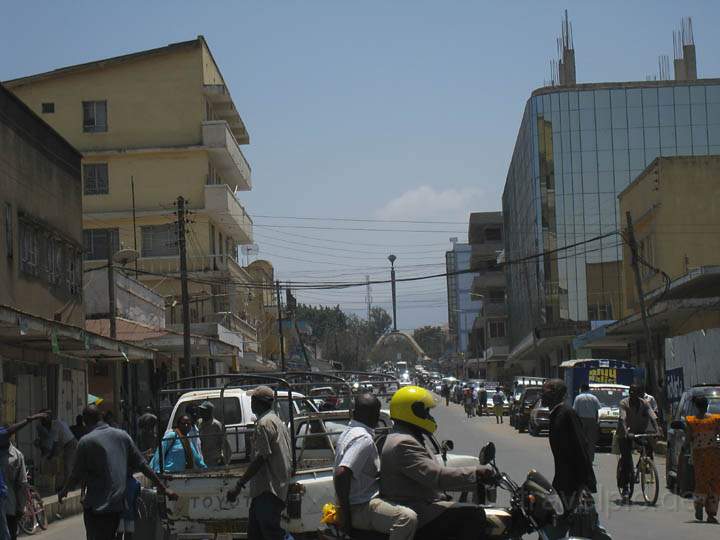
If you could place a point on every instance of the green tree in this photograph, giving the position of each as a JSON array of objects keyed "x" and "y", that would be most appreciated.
[
  {"x": 432, "y": 339},
  {"x": 380, "y": 322}
]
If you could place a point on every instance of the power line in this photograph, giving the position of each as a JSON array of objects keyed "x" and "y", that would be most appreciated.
[
  {"x": 365, "y": 220},
  {"x": 365, "y": 229}
]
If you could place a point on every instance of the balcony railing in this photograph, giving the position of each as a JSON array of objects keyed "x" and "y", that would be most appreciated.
[
  {"x": 222, "y": 206},
  {"x": 226, "y": 154},
  {"x": 196, "y": 264}
]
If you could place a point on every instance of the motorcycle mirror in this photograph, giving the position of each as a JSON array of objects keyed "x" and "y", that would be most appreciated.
[
  {"x": 487, "y": 454},
  {"x": 448, "y": 446}
]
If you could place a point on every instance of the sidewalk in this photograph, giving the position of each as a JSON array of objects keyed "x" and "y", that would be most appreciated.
[{"x": 71, "y": 506}]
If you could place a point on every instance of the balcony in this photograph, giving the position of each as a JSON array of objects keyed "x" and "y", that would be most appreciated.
[
  {"x": 224, "y": 109},
  {"x": 227, "y": 212},
  {"x": 226, "y": 155},
  {"x": 201, "y": 264}
]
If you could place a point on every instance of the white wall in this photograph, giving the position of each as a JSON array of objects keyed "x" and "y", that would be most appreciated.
[{"x": 697, "y": 354}]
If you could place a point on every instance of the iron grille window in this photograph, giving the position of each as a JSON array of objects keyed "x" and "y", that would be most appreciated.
[
  {"x": 95, "y": 178},
  {"x": 48, "y": 108},
  {"x": 29, "y": 249},
  {"x": 497, "y": 329},
  {"x": 9, "y": 237},
  {"x": 94, "y": 116},
  {"x": 159, "y": 240},
  {"x": 96, "y": 245}
]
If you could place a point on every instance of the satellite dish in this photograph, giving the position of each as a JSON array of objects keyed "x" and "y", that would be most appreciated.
[{"x": 125, "y": 256}]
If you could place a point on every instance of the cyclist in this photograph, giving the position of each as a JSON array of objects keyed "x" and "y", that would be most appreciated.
[{"x": 636, "y": 418}]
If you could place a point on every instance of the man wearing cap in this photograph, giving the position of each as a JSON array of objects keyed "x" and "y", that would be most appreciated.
[
  {"x": 211, "y": 435},
  {"x": 269, "y": 471}
]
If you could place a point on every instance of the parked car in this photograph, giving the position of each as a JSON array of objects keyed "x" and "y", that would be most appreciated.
[
  {"x": 520, "y": 415},
  {"x": 539, "y": 419},
  {"x": 678, "y": 469}
]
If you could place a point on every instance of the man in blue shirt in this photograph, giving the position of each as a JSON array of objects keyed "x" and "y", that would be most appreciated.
[{"x": 588, "y": 406}]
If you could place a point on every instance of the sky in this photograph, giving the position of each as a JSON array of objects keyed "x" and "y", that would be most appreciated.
[{"x": 402, "y": 110}]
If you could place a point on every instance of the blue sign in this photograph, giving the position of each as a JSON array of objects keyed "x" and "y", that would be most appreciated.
[{"x": 674, "y": 384}]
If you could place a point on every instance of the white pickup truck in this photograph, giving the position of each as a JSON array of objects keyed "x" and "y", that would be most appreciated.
[{"x": 202, "y": 508}]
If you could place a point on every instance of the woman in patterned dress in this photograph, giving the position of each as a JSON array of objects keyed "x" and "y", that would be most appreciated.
[{"x": 704, "y": 430}]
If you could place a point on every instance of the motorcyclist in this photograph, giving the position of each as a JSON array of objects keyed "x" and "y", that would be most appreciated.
[{"x": 412, "y": 476}]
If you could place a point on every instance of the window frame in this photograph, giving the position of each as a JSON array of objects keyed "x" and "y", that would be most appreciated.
[
  {"x": 152, "y": 251},
  {"x": 90, "y": 234},
  {"x": 94, "y": 127},
  {"x": 92, "y": 177}
]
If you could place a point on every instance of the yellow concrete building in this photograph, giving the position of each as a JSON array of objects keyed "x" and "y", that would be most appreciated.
[
  {"x": 675, "y": 208},
  {"x": 153, "y": 126}
]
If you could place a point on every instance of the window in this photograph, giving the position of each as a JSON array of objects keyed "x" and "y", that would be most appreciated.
[
  {"x": 95, "y": 178},
  {"x": 493, "y": 235},
  {"x": 497, "y": 328},
  {"x": 95, "y": 243},
  {"x": 600, "y": 312},
  {"x": 48, "y": 108},
  {"x": 159, "y": 240},
  {"x": 94, "y": 116},
  {"x": 29, "y": 249},
  {"x": 495, "y": 296},
  {"x": 9, "y": 238}
]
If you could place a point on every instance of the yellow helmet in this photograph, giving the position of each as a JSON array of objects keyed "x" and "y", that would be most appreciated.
[{"x": 412, "y": 404}]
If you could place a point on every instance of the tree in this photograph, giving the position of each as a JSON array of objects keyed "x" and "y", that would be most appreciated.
[
  {"x": 432, "y": 339},
  {"x": 380, "y": 322}
]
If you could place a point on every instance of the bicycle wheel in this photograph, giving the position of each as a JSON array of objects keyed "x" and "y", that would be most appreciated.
[
  {"x": 649, "y": 480},
  {"x": 27, "y": 522},
  {"x": 621, "y": 483}
]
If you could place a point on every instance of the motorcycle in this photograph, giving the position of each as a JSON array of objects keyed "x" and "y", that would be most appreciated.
[{"x": 534, "y": 504}]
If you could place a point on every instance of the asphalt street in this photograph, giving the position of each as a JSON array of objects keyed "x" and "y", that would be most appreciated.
[{"x": 516, "y": 454}]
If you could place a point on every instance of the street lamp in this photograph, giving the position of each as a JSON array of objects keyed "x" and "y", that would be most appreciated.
[{"x": 392, "y": 259}]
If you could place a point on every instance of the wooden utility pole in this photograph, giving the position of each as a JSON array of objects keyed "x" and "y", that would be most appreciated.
[
  {"x": 634, "y": 261},
  {"x": 181, "y": 216},
  {"x": 280, "y": 327}
]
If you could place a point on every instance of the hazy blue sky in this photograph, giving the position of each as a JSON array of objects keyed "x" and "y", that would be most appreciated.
[{"x": 369, "y": 109}]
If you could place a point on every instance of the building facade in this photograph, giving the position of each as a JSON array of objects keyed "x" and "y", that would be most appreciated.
[
  {"x": 462, "y": 306},
  {"x": 578, "y": 147},
  {"x": 153, "y": 126}
]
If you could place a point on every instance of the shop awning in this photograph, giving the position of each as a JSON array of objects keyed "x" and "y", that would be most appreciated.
[{"x": 20, "y": 329}]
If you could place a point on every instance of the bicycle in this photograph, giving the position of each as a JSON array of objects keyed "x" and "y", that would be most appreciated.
[
  {"x": 34, "y": 516},
  {"x": 644, "y": 473}
]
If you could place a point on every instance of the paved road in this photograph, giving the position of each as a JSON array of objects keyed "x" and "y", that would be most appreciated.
[
  {"x": 672, "y": 518},
  {"x": 517, "y": 453}
]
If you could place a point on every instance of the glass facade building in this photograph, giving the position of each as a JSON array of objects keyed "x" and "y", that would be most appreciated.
[
  {"x": 462, "y": 308},
  {"x": 578, "y": 147}
]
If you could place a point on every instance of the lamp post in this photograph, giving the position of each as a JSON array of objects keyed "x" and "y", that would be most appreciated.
[{"x": 392, "y": 259}]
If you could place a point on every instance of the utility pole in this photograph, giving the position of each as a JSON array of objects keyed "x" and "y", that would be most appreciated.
[
  {"x": 632, "y": 244},
  {"x": 132, "y": 191},
  {"x": 392, "y": 259},
  {"x": 181, "y": 213},
  {"x": 280, "y": 327},
  {"x": 112, "y": 309}
]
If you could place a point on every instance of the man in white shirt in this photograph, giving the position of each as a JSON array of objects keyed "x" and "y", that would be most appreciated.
[
  {"x": 588, "y": 406},
  {"x": 356, "y": 479},
  {"x": 56, "y": 440}
]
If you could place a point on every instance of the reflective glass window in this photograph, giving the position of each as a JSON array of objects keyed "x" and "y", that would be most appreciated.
[
  {"x": 634, "y": 97},
  {"x": 564, "y": 101},
  {"x": 575, "y": 141},
  {"x": 698, "y": 114},
  {"x": 565, "y": 119},
  {"x": 602, "y": 99},
  {"x": 713, "y": 94},
  {"x": 605, "y": 162},
  {"x": 591, "y": 209},
  {"x": 650, "y": 116},
  {"x": 547, "y": 106},
  {"x": 574, "y": 120},
  {"x": 587, "y": 119},
  {"x": 652, "y": 136},
  {"x": 576, "y": 162},
  {"x": 714, "y": 150},
  {"x": 554, "y": 101},
  {"x": 620, "y": 138},
  {"x": 649, "y": 97},
  {"x": 697, "y": 95},
  {"x": 665, "y": 96},
  {"x": 621, "y": 160},
  {"x": 713, "y": 113},
  {"x": 589, "y": 161},
  {"x": 617, "y": 98},
  {"x": 538, "y": 104},
  {"x": 635, "y": 137},
  {"x": 604, "y": 139},
  {"x": 588, "y": 140},
  {"x": 713, "y": 135},
  {"x": 619, "y": 117},
  {"x": 577, "y": 178},
  {"x": 587, "y": 100},
  {"x": 590, "y": 182},
  {"x": 622, "y": 179},
  {"x": 556, "y": 120},
  {"x": 573, "y": 99},
  {"x": 565, "y": 137},
  {"x": 635, "y": 117},
  {"x": 606, "y": 182},
  {"x": 603, "y": 118},
  {"x": 699, "y": 136},
  {"x": 637, "y": 158},
  {"x": 682, "y": 115},
  {"x": 682, "y": 95},
  {"x": 667, "y": 136},
  {"x": 666, "y": 151},
  {"x": 684, "y": 150},
  {"x": 667, "y": 115},
  {"x": 682, "y": 134},
  {"x": 651, "y": 152}
]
